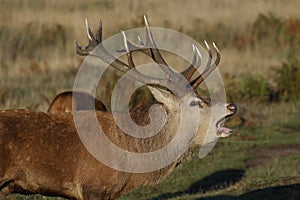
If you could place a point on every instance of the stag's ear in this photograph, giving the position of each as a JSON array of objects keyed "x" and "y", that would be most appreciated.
[{"x": 162, "y": 96}]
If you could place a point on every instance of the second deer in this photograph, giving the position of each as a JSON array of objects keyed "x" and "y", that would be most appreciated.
[{"x": 65, "y": 101}]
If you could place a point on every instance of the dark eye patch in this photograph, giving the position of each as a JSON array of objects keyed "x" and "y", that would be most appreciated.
[{"x": 195, "y": 103}]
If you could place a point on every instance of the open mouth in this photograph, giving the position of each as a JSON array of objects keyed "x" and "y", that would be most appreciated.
[{"x": 224, "y": 131}]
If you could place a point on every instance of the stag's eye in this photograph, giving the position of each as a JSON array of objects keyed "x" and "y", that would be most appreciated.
[{"x": 197, "y": 102}]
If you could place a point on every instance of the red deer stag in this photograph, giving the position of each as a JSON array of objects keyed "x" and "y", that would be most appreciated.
[{"x": 41, "y": 152}]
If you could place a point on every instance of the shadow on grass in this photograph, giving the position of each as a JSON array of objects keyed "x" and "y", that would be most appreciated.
[
  {"x": 286, "y": 192},
  {"x": 223, "y": 179},
  {"x": 216, "y": 181}
]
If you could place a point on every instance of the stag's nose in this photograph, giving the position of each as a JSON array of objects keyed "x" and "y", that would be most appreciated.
[{"x": 232, "y": 107}]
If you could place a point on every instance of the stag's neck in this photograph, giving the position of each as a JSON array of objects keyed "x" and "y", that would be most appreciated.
[
  {"x": 139, "y": 132},
  {"x": 154, "y": 143}
]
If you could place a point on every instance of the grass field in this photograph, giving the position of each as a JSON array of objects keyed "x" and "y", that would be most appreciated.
[{"x": 259, "y": 42}]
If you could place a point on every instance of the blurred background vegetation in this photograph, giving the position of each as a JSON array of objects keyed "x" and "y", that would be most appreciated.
[{"x": 259, "y": 42}]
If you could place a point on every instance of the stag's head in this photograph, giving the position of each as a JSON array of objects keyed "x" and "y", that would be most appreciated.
[
  {"x": 212, "y": 115},
  {"x": 181, "y": 93}
]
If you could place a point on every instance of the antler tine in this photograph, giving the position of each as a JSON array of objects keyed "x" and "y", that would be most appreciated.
[
  {"x": 208, "y": 64},
  {"x": 209, "y": 68},
  {"x": 218, "y": 54},
  {"x": 188, "y": 73},
  {"x": 93, "y": 42},
  {"x": 156, "y": 55},
  {"x": 90, "y": 34},
  {"x": 128, "y": 52},
  {"x": 149, "y": 39},
  {"x": 99, "y": 33}
]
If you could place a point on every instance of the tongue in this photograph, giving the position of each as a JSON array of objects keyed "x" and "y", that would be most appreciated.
[{"x": 224, "y": 130}]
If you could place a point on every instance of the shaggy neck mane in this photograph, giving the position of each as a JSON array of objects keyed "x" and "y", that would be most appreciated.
[{"x": 144, "y": 145}]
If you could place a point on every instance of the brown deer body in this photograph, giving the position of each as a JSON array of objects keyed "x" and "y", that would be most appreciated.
[
  {"x": 42, "y": 152},
  {"x": 64, "y": 102}
]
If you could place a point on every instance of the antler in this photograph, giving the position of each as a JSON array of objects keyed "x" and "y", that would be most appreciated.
[
  {"x": 150, "y": 49},
  {"x": 101, "y": 51},
  {"x": 110, "y": 59},
  {"x": 139, "y": 76}
]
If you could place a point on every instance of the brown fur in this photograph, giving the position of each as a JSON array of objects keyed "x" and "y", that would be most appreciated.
[
  {"x": 41, "y": 154},
  {"x": 82, "y": 101}
]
